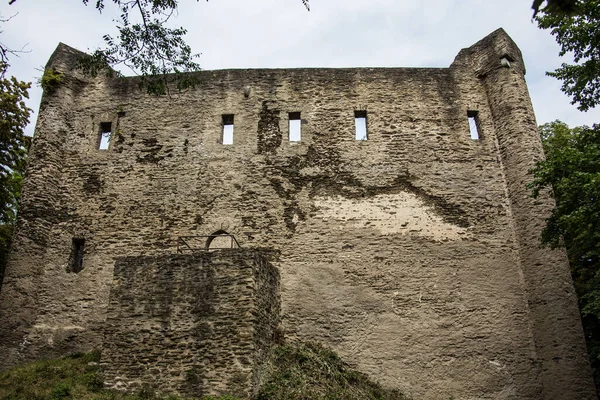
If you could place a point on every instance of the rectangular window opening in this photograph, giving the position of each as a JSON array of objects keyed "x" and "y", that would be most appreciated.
[
  {"x": 474, "y": 130},
  {"x": 77, "y": 247},
  {"x": 295, "y": 127},
  {"x": 104, "y": 136},
  {"x": 227, "y": 129},
  {"x": 360, "y": 123}
]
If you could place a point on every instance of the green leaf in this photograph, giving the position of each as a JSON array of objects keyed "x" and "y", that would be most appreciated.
[{"x": 575, "y": 26}]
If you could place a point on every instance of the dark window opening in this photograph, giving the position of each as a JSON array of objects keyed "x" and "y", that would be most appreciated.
[
  {"x": 473, "y": 118},
  {"x": 221, "y": 240},
  {"x": 295, "y": 127},
  {"x": 76, "y": 261},
  {"x": 360, "y": 123},
  {"x": 227, "y": 129},
  {"x": 104, "y": 136}
]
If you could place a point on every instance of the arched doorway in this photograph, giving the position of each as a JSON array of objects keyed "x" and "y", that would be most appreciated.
[{"x": 220, "y": 240}]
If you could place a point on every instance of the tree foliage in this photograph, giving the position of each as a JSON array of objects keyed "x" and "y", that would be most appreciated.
[
  {"x": 555, "y": 6},
  {"x": 572, "y": 166},
  {"x": 578, "y": 34},
  {"x": 571, "y": 171},
  {"x": 14, "y": 117},
  {"x": 145, "y": 44}
]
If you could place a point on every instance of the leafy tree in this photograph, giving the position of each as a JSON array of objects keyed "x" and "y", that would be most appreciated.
[
  {"x": 572, "y": 171},
  {"x": 572, "y": 166},
  {"x": 578, "y": 33},
  {"x": 148, "y": 46},
  {"x": 555, "y": 6},
  {"x": 14, "y": 117},
  {"x": 145, "y": 44}
]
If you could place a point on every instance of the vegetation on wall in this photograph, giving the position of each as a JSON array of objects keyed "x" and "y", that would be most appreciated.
[{"x": 50, "y": 80}]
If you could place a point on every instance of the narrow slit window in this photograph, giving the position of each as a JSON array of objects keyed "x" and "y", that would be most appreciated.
[
  {"x": 77, "y": 247},
  {"x": 295, "y": 127},
  {"x": 227, "y": 129},
  {"x": 104, "y": 136},
  {"x": 472, "y": 116},
  {"x": 360, "y": 123}
]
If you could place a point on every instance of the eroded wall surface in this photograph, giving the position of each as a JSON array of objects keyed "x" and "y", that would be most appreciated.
[
  {"x": 199, "y": 324},
  {"x": 412, "y": 254}
]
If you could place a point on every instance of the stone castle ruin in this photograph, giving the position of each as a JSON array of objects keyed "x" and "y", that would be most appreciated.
[{"x": 380, "y": 211}]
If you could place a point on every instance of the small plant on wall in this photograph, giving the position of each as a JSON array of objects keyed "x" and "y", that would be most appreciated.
[{"x": 50, "y": 80}]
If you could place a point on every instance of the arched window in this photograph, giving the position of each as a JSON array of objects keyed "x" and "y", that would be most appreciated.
[{"x": 221, "y": 240}]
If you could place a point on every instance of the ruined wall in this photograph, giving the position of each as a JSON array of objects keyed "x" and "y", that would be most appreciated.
[
  {"x": 191, "y": 324},
  {"x": 413, "y": 253}
]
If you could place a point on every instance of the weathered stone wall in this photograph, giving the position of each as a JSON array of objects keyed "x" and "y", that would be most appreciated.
[
  {"x": 414, "y": 254},
  {"x": 191, "y": 324}
]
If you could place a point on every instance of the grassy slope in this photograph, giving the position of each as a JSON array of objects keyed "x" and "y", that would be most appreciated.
[
  {"x": 307, "y": 371},
  {"x": 72, "y": 377},
  {"x": 296, "y": 371}
]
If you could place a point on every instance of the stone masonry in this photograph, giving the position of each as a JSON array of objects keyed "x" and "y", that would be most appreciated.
[
  {"x": 192, "y": 324},
  {"x": 414, "y": 253}
]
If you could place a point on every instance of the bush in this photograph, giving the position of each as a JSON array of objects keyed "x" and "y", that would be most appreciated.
[
  {"x": 61, "y": 391},
  {"x": 51, "y": 80}
]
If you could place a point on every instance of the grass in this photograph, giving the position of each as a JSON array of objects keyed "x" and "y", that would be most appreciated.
[
  {"x": 309, "y": 371},
  {"x": 74, "y": 377},
  {"x": 296, "y": 371}
]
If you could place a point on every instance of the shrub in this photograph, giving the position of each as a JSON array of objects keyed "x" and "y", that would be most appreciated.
[{"x": 51, "y": 80}]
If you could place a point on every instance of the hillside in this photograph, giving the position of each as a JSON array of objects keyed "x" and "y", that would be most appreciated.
[{"x": 297, "y": 371}]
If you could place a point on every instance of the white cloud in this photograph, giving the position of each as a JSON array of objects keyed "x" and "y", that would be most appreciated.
[{"x": 335, "y": 33}]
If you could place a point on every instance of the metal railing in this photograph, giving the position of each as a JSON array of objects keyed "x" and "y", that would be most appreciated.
[{"x": 192, "y": 244}]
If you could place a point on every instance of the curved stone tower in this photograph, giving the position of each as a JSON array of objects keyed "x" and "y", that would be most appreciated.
[{"x": 555, "y": 321}]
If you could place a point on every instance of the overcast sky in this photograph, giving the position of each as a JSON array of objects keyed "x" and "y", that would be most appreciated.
[{"x": 335, "y": 33}]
